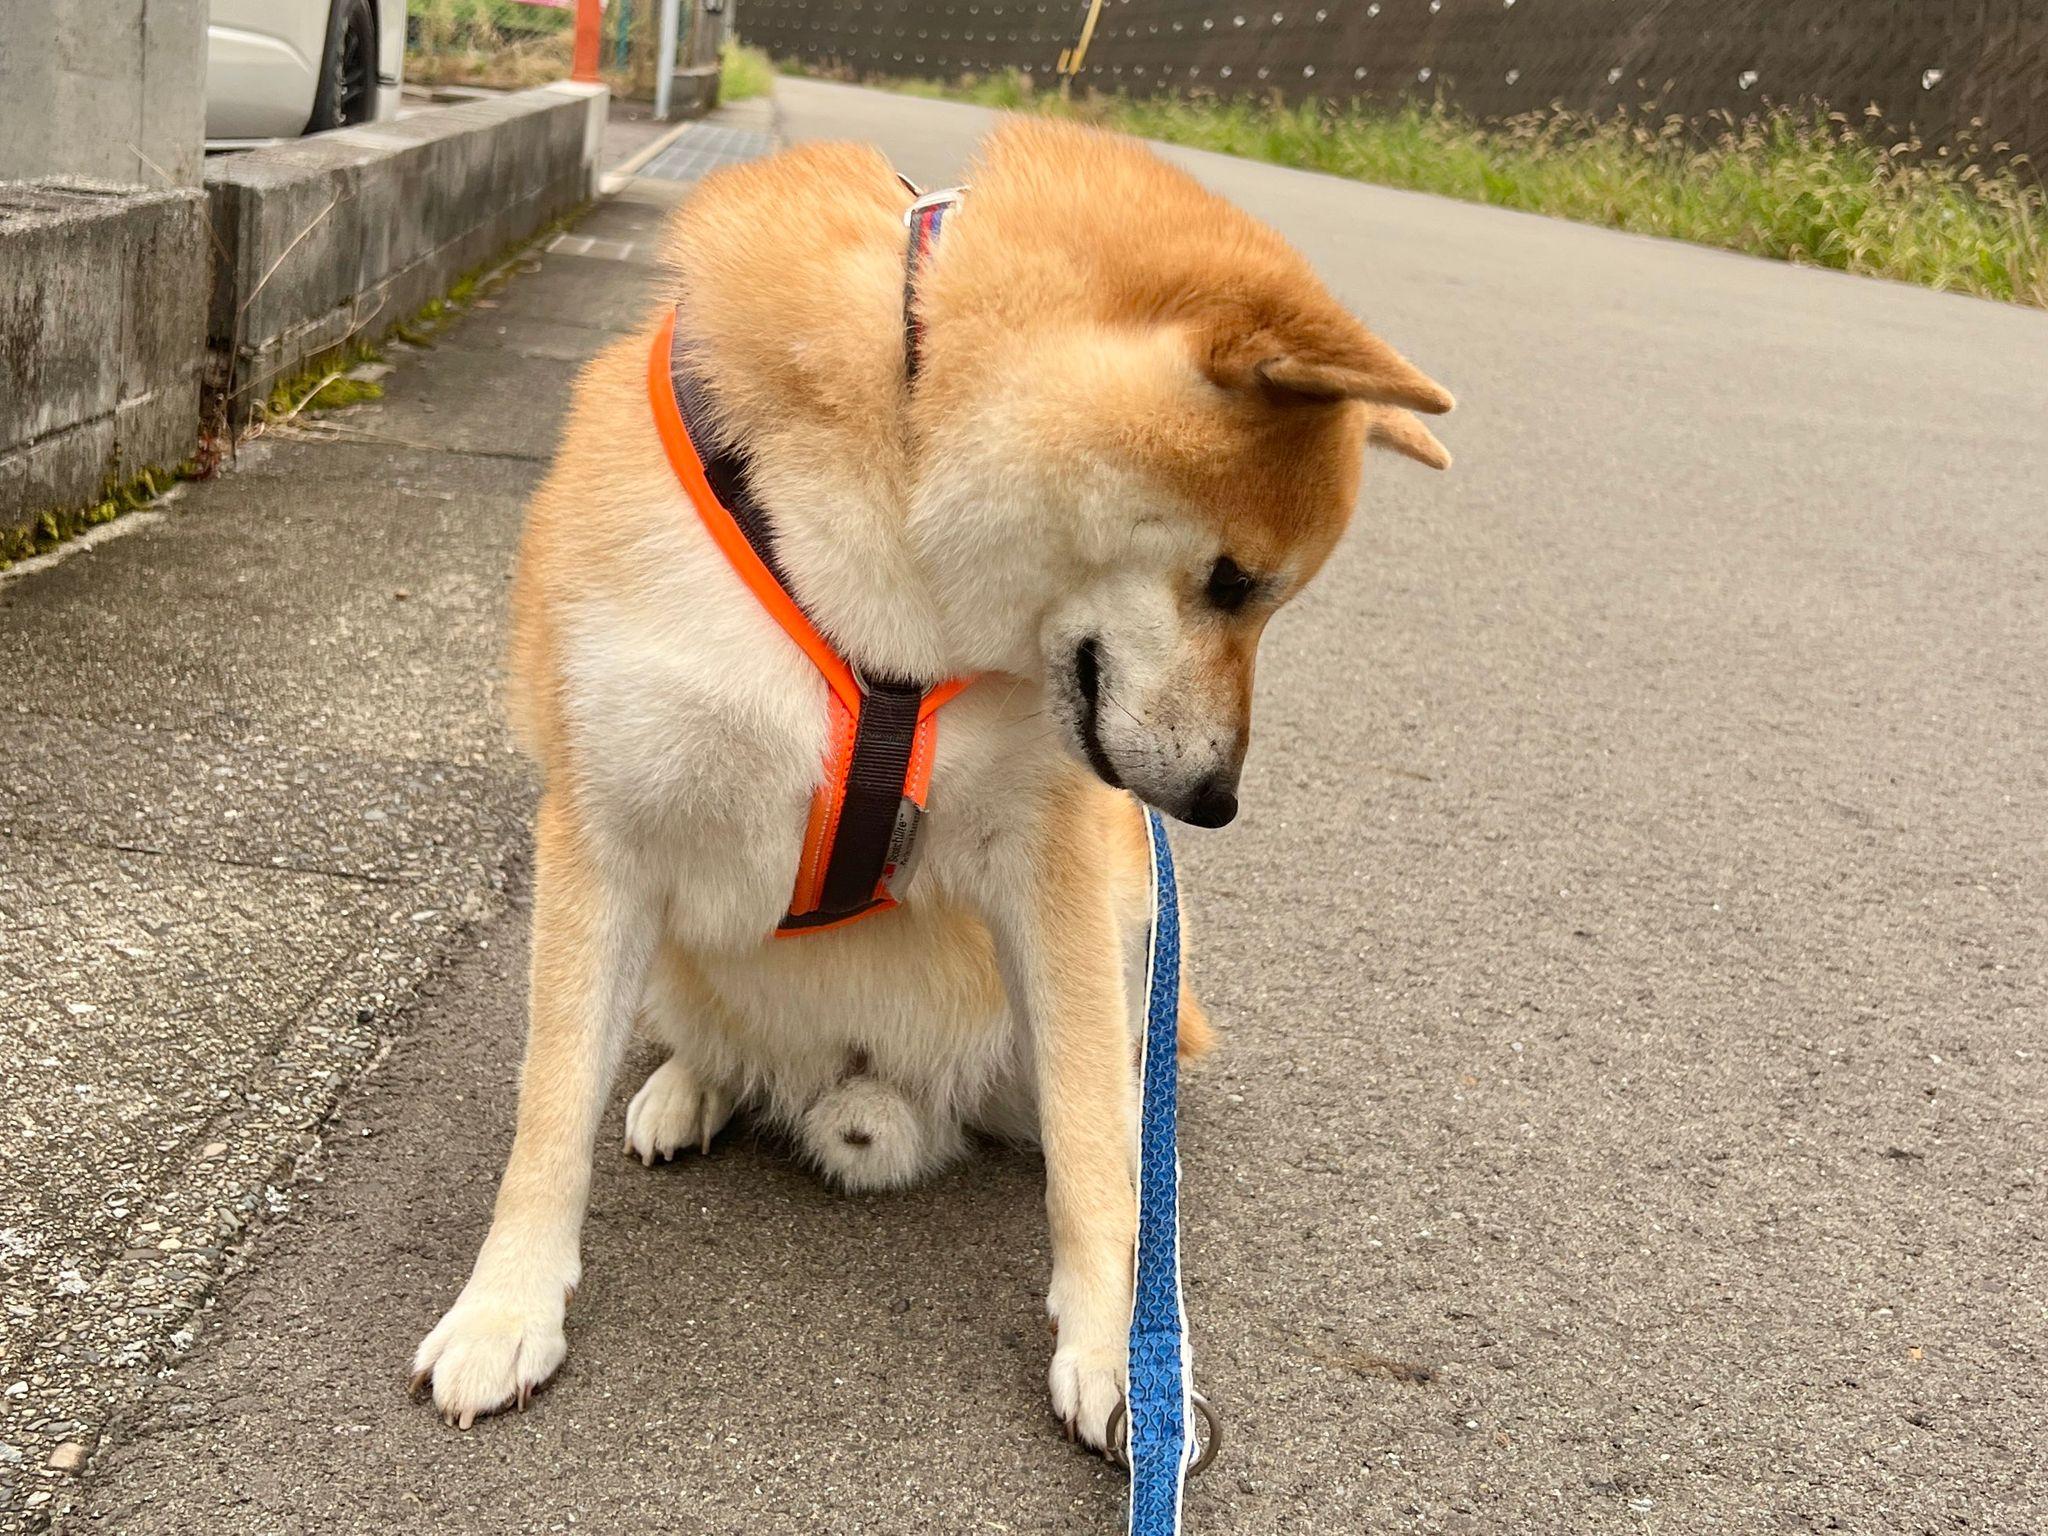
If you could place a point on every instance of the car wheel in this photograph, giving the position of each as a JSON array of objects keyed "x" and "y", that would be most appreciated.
[{"x": 348, "y": 70}]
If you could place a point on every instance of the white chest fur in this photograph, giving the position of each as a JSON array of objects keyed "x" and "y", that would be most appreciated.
[{"x": 699, "y": 733}]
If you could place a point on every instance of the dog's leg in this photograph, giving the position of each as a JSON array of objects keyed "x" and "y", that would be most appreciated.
[
  {"x": 1062, "y": 955},
  {"x": 591, "y": 939}
]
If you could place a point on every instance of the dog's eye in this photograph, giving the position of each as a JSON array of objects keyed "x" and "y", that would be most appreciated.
[{"x": 1230, "y": 588}]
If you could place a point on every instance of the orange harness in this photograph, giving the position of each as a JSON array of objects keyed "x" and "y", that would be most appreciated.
[{"x": 861, "y": 838}]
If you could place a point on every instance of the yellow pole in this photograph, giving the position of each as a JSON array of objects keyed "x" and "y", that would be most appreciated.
[{"x": 1070, "y": 63}]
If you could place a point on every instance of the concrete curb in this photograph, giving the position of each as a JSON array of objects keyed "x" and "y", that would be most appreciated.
[
  {"x": 338, "y": 236},
  {"x": 101, "y": 336},
  {"x": 112, "y": 326}
]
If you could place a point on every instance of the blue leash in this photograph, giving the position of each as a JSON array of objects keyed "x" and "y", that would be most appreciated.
[{"x": 1161, "y": 1448}]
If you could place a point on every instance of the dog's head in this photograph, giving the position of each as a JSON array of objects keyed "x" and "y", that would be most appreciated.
[{"x": 1172, "y": 410}]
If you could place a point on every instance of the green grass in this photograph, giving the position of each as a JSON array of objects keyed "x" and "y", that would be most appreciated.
[
  {"x": 1808, "y": 189},
  {"x": 744, "y": 72}
]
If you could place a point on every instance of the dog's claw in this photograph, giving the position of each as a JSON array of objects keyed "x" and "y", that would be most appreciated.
[{"x": 419, "y": 1379}]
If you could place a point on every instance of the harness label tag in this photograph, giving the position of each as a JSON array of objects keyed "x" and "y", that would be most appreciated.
[{"x": 901, "y": 862}]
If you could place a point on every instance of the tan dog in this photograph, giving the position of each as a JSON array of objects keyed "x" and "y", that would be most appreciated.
[{"x": 1137, "y": 431}]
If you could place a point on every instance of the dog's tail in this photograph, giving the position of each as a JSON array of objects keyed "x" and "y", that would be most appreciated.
[{"x": 1197, "y": 1034}]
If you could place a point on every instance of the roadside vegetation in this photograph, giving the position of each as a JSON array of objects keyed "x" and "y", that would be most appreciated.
[
  {"x": 487, "y": 43},
  {"x": 502, "y": 45},
  {"x": 55, "y": 527},
  {"x": 1810, "y": 189},
  {"x": 744, "y": 72}
]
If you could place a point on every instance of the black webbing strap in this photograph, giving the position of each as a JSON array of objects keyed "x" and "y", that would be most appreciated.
[
  {"x": 874, "y": 794},
  {"x": 882, "y": 741}
]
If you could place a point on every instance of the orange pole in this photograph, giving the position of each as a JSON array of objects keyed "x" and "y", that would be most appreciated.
[{"x": 589, "y": 31}]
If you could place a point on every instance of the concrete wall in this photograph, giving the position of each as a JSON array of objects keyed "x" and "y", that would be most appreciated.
[
  {"x": 102, "y": 322},
  {"x": 1927, "y": 68},
  {"x": 693, "y": 91},
  {"x": 341, "y": 234},
  {"x": 112, "y": 90},
  {"x": 116, "y": 306}
]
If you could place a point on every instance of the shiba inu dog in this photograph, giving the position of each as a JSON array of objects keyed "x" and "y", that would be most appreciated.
[{"x": 1135, "y": 430}]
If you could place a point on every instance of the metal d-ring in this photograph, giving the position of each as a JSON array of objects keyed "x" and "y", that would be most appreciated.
[
  {"x": 1205, "y": 1450},
  {"x": 1118, "y": 1448}
]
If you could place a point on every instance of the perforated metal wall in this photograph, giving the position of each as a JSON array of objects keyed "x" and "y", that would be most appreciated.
[{"x": 1930, "y": 65}]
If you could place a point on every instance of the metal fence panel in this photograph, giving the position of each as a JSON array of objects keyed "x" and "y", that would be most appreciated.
[{"x": 1929, "y": 68}]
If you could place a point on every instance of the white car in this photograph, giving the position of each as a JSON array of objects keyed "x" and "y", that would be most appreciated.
[{"x": 278, "y": 68}]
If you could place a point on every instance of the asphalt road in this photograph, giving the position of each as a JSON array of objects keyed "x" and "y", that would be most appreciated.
[{"x": 1630, "y": 1116}]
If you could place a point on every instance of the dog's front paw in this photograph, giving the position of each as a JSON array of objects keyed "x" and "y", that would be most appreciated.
[
  {"x": 1087, "y": 1383},
  {"x": 673, "y": 1110},
  {"x": 1091, "y": 1366},
  {"x": 491, "y": 1349}
]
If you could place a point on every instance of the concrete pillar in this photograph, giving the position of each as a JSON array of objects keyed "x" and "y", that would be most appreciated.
[{"x": 108, "y": 90}]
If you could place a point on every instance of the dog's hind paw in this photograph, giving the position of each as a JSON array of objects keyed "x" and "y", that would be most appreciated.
[{"x": 674, "y": 1110}]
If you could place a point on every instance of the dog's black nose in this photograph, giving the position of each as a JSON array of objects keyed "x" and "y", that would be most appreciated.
[{"x": 1214, "y": 804}]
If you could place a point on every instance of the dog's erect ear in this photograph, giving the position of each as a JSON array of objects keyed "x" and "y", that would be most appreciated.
[
  {"x": 1396, "y": 429},
  {"x": 1321, "y": 362},
  {"x": 1385, "y": 379}
]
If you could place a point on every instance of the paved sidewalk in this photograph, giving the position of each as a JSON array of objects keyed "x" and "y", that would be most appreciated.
[
  {"x": 259, "y": 796},
  {"x": 1630, "y": 1112}
]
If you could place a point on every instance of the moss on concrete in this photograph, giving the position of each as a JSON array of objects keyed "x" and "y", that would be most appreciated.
[
  {"x": 323, "y": 384},
  {"x": 58, "y": 525}
]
